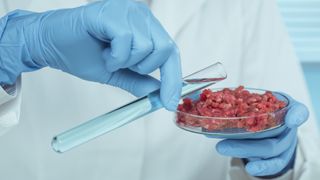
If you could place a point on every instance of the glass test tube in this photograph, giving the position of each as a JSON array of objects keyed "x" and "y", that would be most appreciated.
[{"x": 133, "y": 110}]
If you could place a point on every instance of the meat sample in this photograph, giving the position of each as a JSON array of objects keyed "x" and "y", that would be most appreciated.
[{"x": 227, "y": 109}]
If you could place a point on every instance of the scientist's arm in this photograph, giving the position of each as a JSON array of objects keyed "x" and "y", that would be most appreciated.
[{"x": 115, "y": 42}]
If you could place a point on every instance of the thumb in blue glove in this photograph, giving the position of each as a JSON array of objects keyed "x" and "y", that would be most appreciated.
[{"x": 116, "y": 42}]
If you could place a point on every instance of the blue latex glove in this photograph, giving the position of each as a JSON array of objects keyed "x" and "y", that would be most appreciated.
[
  {"x": 116, "y": 42},
  {"x": 269, "y": 156}
]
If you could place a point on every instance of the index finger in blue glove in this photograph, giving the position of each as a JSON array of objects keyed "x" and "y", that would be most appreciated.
[
  {"x": 166, "y": 56},
  {"x": 142, "y": 43},
  {"x": 104, "y": 21},
  {"x": 119, "y": 52},
  {"x": 171, "y": 81},
  {"x": 163, "y": 47}
]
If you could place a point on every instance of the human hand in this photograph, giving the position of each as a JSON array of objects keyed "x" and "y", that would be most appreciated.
[
  {"x": 116, "y": 42},
  {"x": 268, "y": 156}
]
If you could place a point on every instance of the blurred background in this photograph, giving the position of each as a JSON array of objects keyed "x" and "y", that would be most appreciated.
[{"x": 302, "y": 18}]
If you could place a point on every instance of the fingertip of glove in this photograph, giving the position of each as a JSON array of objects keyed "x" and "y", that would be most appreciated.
[
  {"x": 253, "y": 169},
  {"x": 171, "y": 97},
  {"x": 172, "y": 104},
  {"x": 222, "y": 147}
]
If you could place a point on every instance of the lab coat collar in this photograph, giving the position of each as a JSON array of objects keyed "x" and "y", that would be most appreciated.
[{"x": 183, "y": 11}]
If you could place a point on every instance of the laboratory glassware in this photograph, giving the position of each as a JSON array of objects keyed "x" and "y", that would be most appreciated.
[
  {"x": 133, "y": 110},
  {"x": 240, "y": 127}
]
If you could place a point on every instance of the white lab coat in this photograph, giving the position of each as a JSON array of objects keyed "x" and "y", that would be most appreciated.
[{"x": 248, "y": 37}]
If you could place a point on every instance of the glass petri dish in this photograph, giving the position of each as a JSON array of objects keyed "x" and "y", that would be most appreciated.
[{"x": 235, "y": 127}]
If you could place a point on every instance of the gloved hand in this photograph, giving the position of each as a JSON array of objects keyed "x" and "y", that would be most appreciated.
[
  {"x": 116, "y": 42},
  {"x": 268, "y": 156}
]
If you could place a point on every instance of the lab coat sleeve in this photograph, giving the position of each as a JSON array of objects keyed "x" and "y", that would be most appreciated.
[
  {"x": 269, "y": 62},
  {"x": 9, "y": 107},
  {"x": 7, "y": 93},
  {"x": 9, "y": 98}
]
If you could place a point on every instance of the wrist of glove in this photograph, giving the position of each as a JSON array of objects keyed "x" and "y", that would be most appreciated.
[
  {"x": 269, "y": 156},
  {"x": 14, "y": 54}
]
